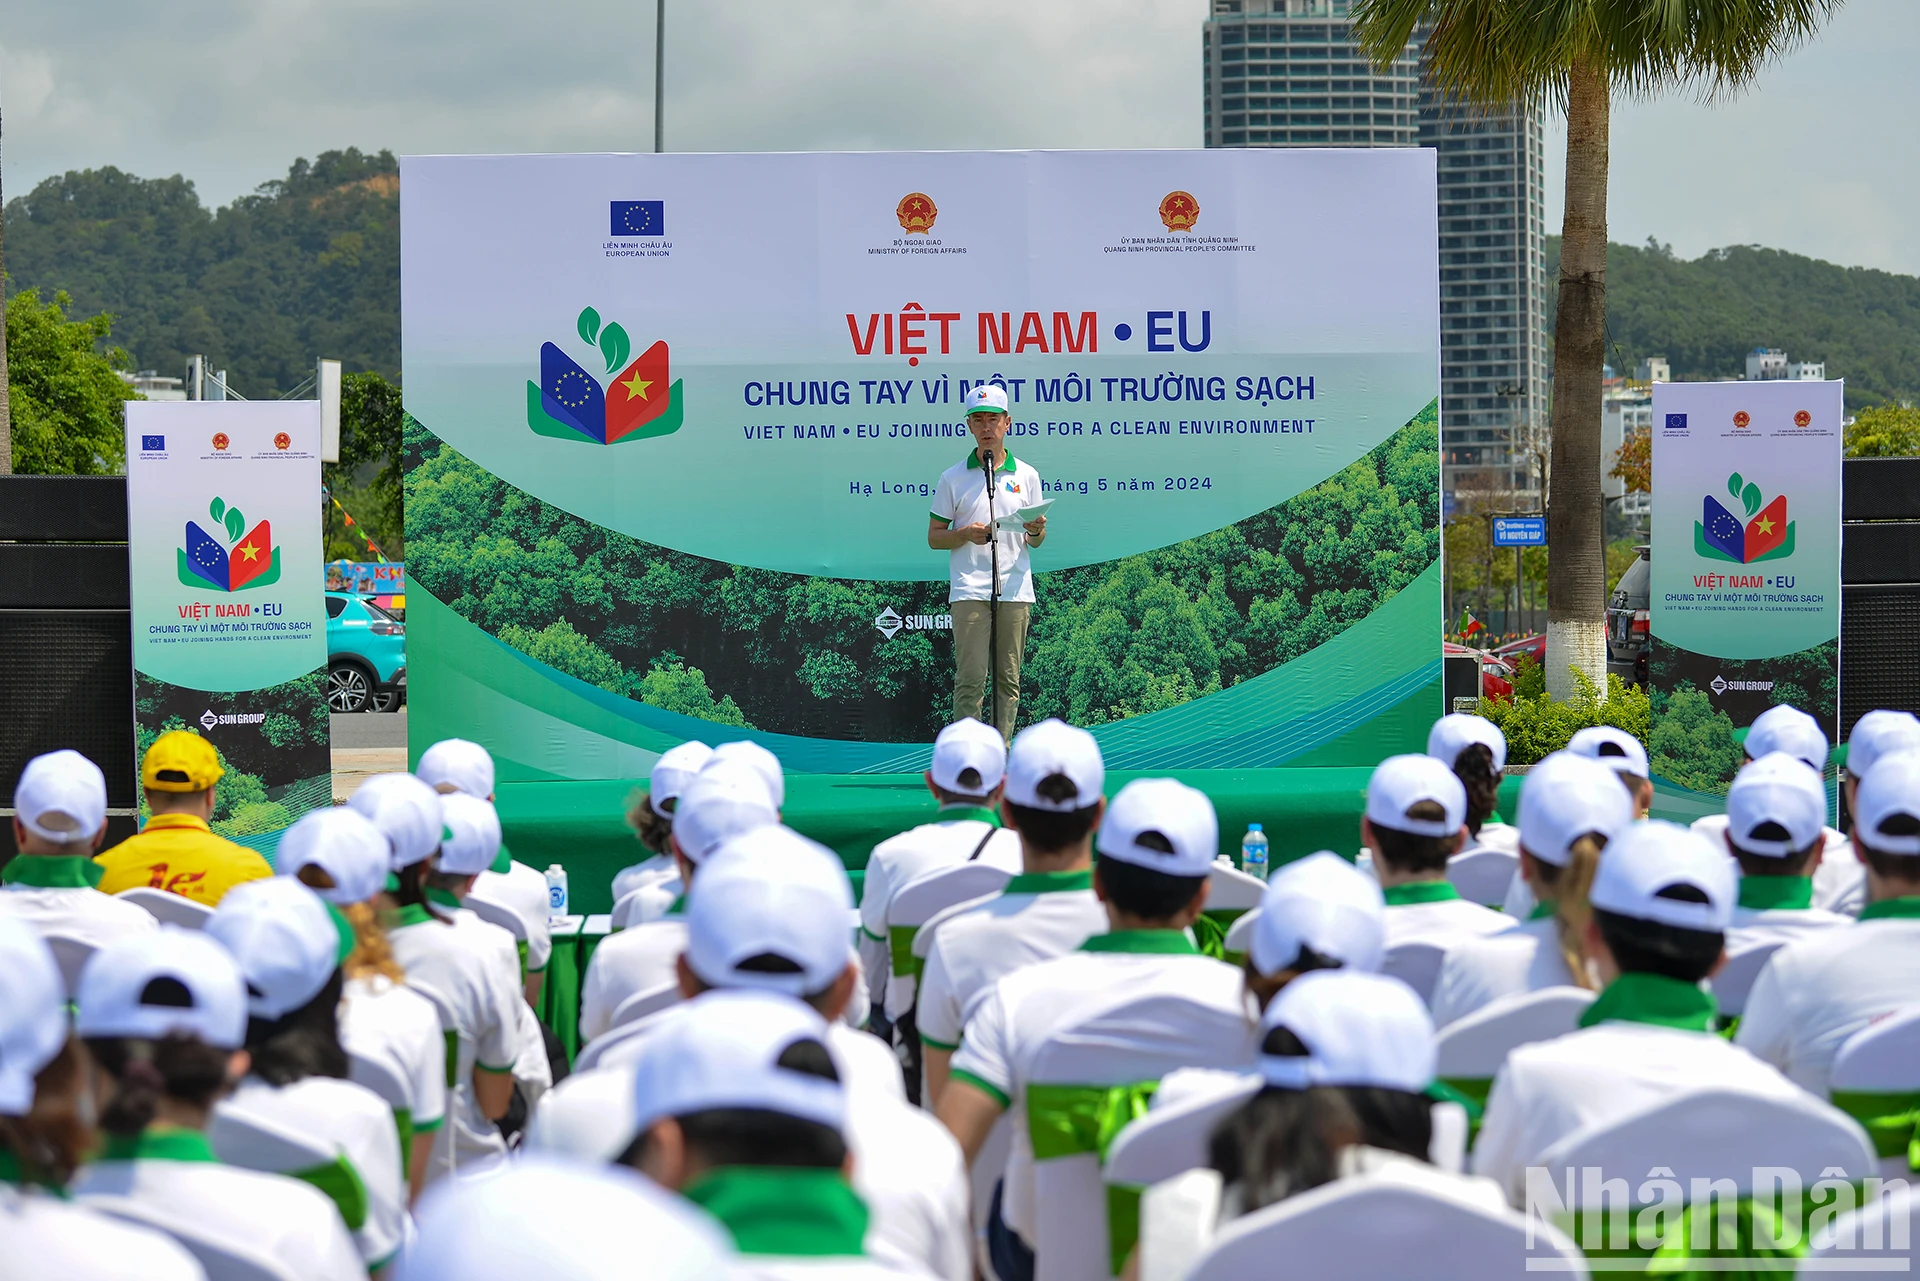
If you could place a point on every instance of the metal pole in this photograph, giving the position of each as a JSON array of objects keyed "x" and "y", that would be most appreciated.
[{"x": 659, "y": 72}]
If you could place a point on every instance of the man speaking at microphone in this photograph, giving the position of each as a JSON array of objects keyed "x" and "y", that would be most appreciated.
[{"x": 961, "y": 526}]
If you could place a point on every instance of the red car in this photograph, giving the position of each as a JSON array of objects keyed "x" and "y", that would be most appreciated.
[{"x": 1534, "y": 647}]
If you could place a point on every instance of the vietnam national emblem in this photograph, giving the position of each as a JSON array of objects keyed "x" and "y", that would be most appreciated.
[
  {"x": 916, "y": 212},
  {"x": 1179, "y": 211}
]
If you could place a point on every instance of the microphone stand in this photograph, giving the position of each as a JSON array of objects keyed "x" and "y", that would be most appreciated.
[{"x": 993, "y": 600}]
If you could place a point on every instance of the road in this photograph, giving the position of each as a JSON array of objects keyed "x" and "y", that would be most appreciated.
[{"x": 366, "y": 744}]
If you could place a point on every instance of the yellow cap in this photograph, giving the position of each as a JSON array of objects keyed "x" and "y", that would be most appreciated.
[{"x": 180, "y": 761}]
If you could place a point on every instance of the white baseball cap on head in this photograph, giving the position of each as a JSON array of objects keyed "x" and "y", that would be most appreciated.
[
  {"x": 471, "y": 838},
  {"x": 1054, "y": 747},
  {"x": 770, "y": 892},
  {"x": 1401, "y": 782},
  {"x": 673, "y": 771},
  {"x": 406, "y": 811},
  {"x": 1782, "y": 728},
  {"x": 464, "y": 766},
  {"x": 726, "y": 798},
  {"x": 760, "y": 760},
  {"x": 286, "y": 939},
  {"x": 964, "y": 745},
  {"x": 1781, "y": 789},
  {"x": 1653, "y": 856},
  {"x": 1324, "y": 903},
  {"x": 564, "y": 1219},
  {"x": 61, "y": 797},
  {"x": 344, "y": 844},
  {"x": 723, "y": 1050},
  {"x": 1879, "y": 733},
  {"x": 1359, "y": 1029},
  {"x": 33, "y": 1018},
  {"x": 1566, "y": 797},
  {"x": 1455, "y": 732},
  {"x": 1891, "y": 789},
  {"x": 1163, "y": 825},
  {"x": 122, "y": 986},
  {"x": 1614, "y": 748},
  {"x": 987, "y": 398}
]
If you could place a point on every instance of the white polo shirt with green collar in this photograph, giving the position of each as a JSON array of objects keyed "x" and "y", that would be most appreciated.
[
  {"x": 792, "y": 1223},
  {"x": 391, "y": 1024},
  {"x": 1433, "y": 912},
  {"x": 957, "y": 834},
  {"x": 960, "y": 498},
  {"x": 49, "y": 1238},
  {"x": 1839, "y": 883},
  {"x": 1040, "y": 915},
  {"x": 56, "y": 894},
  {"x": 1778, "y": 909},
  {"x": 1481, "y": 970}
]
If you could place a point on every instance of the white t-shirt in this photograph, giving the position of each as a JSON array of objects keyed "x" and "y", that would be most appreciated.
[
  {"x": 960, "y": 499},
  {"x": 259, "y": 1214},
  {"x": 1780, "y": 925},
  {"x": 912, "y": 1175},
  {"x": 1038, "y": 917},
  {"x": 1024, "y": 1008},
  {"x": 634, "y": 960},
  {"x": 628, "y": 879},
  {"x": 48, "y": 1239},
  {"x": 1839, "y": 883},
  {"x": 531, "y": 1067},
  {"x": 1479, "y": 971},
  {"x": 522, "y": 891},
  {"x": 947, "y": 842},
  {"x": 1815, "y": 993},
  {"x": 357, "y": 1125},
  {"x": 398, "y": 1028},
  {"x": 85, "y": 915},
  {"x": 1445, "y": 922},
  {"x": 646, "y": 903}
]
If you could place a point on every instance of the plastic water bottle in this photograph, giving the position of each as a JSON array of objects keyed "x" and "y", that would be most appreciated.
[
  {"x": 556, "y": 892},
  {"x": 1253, "y": 852}
]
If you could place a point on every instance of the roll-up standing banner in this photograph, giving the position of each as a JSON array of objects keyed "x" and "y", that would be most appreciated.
[
  {"x": 1745, "y": 572},
  {"x": 229, "y": 616}
]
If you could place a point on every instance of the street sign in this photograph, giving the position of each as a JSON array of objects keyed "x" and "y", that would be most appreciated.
[{"x": 1519, "y": 531}]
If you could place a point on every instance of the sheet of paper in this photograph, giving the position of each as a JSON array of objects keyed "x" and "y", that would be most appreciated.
[{"x": 1014, "y": 520}]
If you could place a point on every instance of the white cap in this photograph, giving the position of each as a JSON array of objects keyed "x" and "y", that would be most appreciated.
[
  {"x": 969, "y": 744},
  {"x": 464, "y": 766},
  {"x": 33, "y": 1017},
  {"x": 1879, "y": 733},
  {"x": 1614, "y": 748},
  {"x": 1401, "y": 782},
  {"x": 770, "y": 891},
  {"x": 987, "y": 398},
  {"x": 1564, "y": 798},
  {"x": 344, "y": 844},
  {"x": 760, "y": 760},
  {"x": 119, "y": 974},
  {"x": 472, "y": 836},
  {"x": 1360, "y": 1029},
  {"x": 1776, "y": 788},
  {"x": 286, "y": 940},
  {"x": 406, "y": 811},
  {"x": 1180, "y": 817},
  {"x": 673, "y": 771},
  {"x": 1656, "y": 855},
  {"x": 723, "y": 1051},
  {"x": 61, "y": 797},
  {"x": 1321, "y": 902},
  {"x": 564, "y": 1220},
  {"x": 1891, "y": 787},
  {"x": 1049, "y": 748},
  {"x": 1455, "y": 732},
  {"x": 726, "y": 798},
  {"x": 1787, "y": 729}
]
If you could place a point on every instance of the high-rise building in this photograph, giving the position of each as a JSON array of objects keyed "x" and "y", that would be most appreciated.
[{"x": 1286, "y": 73}]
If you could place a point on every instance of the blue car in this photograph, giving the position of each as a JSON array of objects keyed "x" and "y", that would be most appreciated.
[{"x": 366, "y": 656}]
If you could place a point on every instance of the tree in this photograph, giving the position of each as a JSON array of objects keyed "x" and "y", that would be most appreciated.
[
  {"x": 6, "y": 418},
  {"x": 67, "y": 398},
  {"x": 367, "y": 480},
  {"x": 1494, "y": 53},
  {"x": 1884, "y": 431},
  {"x": 1633, "y": 461}
]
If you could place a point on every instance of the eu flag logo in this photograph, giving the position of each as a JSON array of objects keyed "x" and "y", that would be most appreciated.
[
  {"x": 638, "y": 217},
  {"x": 1676, "y": 422},
  {"x": 153, "y": 442}
]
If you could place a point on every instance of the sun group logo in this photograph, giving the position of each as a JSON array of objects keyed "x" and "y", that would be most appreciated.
[
  {"x": 1719, "y": 535},
  {"x": 1179, "y": 211},
  {"x": 210, "y": 718},
  {"x": 205, "y": 562},
  {"x": 568, "y": 403},
  {"x": 890, "y": 623},
  {"x": 1720, "y": 685},
  {"x": 916, "y": 212}
]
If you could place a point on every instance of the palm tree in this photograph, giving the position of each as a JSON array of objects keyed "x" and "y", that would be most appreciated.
[{"x": 1578, "y": 54}]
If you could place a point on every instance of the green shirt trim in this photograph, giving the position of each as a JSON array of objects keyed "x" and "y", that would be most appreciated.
[
  {"x": 985, "y": 1087},
  {"x": 1892, "y": 909},
  {"x": 972, "y": 461},
  {"x": 933, "y": 1043},
  {"x": 1050, "y": 882},
  {"x": 53, "y": 872},
  {"x": 12, "y": 1172},
  {"x": 968, "y": 814},
  {"x": 444, "y": 898},
  {"x": 159, "y": 1144},
  {"x": 1764, "y": 893},
  {"x": 1543, "y": 909},
  {"x": 678, "y": 907},
  {"x": 413, "y": 914},
  {"x": 1420, "y": 892},
  {"x": 944, "y": 520},
  {"x": 1169, "y": 942},
  {"x": 1654, "y": 999},
  {"x": 784, "y": 1211}
]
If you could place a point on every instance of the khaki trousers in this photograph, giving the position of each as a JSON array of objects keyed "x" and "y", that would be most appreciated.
[{"x": 971, "y": 625}]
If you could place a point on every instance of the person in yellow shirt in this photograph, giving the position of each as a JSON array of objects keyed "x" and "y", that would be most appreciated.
[{"x": 177, "y": 851}]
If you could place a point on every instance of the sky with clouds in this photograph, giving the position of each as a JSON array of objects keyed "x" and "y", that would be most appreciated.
[{"x": 1821, "y": 157}]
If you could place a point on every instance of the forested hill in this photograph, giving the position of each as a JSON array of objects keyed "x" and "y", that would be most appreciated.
[
  {"x": 1704, "y": 316},
  {"x": 307, "y": 266}
]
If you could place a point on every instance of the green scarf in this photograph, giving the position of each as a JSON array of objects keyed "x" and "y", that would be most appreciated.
[
  {"x": 1892, "y": 909},
  {"x": 158, "y": 1143},
  {"x": 1050, "y": 882},
  {"x": 1654, "y": 999},
  {"x": 784, "y": 1211},
  {"x": 1170, "y": 942},
  {"x": 444, "y": 898},
  {"x": 12, "y": 1172},
  {"x": 1420, "y": 892},
  {"x": 53, "y": 872},
  {"x": 1787, "y": 893}
]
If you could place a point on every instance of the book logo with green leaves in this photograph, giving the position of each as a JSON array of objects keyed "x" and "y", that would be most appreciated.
[
  {"x": 637, "y": 402},
  {"x": 232, "y": 565}
]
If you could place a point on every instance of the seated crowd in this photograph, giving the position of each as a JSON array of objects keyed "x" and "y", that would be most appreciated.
[{"x": 1060, "y": 1033}]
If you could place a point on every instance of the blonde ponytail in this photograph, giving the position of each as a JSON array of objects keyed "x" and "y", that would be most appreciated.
[{"x": 1571, "y": 911}]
